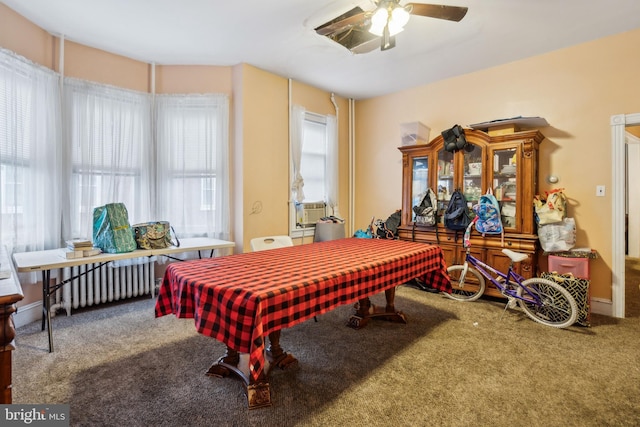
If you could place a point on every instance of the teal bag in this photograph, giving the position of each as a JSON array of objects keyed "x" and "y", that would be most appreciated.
[
  {"x": 111, "y": 229},
  {"x": 488, "y": 212}
]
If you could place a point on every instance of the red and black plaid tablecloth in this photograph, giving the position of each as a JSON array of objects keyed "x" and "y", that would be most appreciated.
[{"x": 240, "y": 299}]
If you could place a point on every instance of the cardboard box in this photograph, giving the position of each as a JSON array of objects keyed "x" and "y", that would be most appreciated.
[{"x": 502, "y": 130}]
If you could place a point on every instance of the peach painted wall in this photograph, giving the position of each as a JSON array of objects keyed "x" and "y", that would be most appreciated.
[
  {"x": 88, "y": 63},
  {"x": 262, "y": 150},
  {"x": 193, "y": 79},
  {"x": 265, "y": 155},
  {"x": 318, "y": 101},
  {"x": 24, "y": 38},
  {"x": 576, "y": 89}
]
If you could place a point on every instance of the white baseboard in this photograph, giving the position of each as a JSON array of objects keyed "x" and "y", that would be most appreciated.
[
  {"x": 28, "y": 313},
  {"x": 602, "y": 306}
]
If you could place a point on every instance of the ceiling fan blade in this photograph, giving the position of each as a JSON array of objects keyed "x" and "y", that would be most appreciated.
[
  {"x": 353, "y": 18},
  {"x": 451, "y": 13}
]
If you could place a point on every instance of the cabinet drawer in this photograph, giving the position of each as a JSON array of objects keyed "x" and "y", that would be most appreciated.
[{"x": 579, "y": 267}]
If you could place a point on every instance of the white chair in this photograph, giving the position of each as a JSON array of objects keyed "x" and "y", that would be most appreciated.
[{"x": 270, "y": 242}]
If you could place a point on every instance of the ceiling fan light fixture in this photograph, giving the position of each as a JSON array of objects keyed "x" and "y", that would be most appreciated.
[
  {"x": 379, "y": 21},
  {"x": 395, "y": 18},
  {"x": 357, "y": 28},
  {"x": 399, "y": 17}
]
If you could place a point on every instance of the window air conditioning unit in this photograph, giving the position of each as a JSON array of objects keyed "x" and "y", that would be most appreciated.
[{"x": 307, "y": 214}]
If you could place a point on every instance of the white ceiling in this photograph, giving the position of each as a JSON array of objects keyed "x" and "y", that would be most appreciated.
[{"x": 278, "y": 36}]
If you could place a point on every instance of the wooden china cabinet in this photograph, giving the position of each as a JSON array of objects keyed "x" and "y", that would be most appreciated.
[{"x": 508, "y": 164}]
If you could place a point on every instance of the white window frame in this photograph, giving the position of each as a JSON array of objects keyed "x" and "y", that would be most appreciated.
[
  {"x": 188, "y": 126},
  {"x": 296, "y": 230}
]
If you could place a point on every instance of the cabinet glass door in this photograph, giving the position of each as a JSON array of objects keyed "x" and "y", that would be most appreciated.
[
  {"x": 419, "y": 180},
  {"x": 472, "y": 178},
  {"x": 445, "y": 181},
  {"x": 505, "y": 171}
]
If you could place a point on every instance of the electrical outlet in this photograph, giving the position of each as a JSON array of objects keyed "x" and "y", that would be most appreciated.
[{"x": 600, "y": 190}]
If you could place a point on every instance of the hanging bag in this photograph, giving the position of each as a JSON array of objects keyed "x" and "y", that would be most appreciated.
[
  {"x": 552, "y": 208},
  {"x": 487, "y": 211},
  {"x": 456, "y": 217},
  {"x": 426, "y": 212},
  {"x": 111, "y": 229}
]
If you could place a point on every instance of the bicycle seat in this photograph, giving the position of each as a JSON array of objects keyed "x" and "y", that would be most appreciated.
[{"x": 515, "y": 256}]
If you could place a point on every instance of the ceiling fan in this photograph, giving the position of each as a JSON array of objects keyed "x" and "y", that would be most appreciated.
[{"x": 359, "y": 30}]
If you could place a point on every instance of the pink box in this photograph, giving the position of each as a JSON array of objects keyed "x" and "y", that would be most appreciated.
[{"x": 579, "y": 267}]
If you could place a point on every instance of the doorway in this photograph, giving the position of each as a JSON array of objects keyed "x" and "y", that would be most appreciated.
[
  {"x": 619, "y": 123},
  {"x": 632, "y": 225}
]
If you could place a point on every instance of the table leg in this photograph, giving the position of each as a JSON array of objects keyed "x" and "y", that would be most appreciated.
[
  {"x": 258, "y": 391},
  {"x": 44, "y": 299},
  {"x": 227, "y": 364},
  {"x": 366, "y": 311},
  {"x": 46, "y": 306},
  {"x": 276, "y": 355}
]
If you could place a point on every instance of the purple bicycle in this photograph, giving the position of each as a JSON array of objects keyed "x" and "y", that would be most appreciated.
[{"x": 542, "y": 300}]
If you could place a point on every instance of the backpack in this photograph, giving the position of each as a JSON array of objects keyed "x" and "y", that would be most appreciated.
[
  {"x": 454, "y": 139},
  {"x": 456, "y": 216},
  {"x": 427, "y": 211},
  {"x": 488, "y": 212},
  {"x": 389, "y": 228}
]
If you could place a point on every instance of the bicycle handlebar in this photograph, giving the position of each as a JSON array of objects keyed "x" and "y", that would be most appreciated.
[{"x": 466, "y": 241}]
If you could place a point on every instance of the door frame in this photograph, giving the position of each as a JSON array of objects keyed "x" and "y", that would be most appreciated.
[{"x": 618, "y": 164}]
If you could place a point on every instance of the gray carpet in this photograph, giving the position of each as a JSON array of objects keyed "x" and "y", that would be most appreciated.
[
  {"x": 632, "y": 287},
  {"x": 453, "y": 364}
]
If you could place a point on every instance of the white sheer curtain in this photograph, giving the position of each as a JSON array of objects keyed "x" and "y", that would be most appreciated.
[
  {"x": 297, "y": 137},
  {"x": 109, "y": 152},
  {"x": 51, "y": 181},
  {"x": 192, "y": 178},
  {"x": 30, "y": 136}
]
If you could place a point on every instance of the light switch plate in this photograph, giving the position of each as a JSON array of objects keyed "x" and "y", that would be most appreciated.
[{"x": 600, "y": 190}]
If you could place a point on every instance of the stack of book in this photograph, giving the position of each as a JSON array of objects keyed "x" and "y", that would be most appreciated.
[{"x": 80, "y": 248}]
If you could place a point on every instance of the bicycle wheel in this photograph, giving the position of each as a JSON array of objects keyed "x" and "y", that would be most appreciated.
[
  {"x": 470, "y": 289},
  {"x": 557, "y": 308}
]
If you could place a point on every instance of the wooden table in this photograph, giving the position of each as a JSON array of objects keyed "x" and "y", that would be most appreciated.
[
  {"x": 52, "y": 259},
  {"x": 241, "y": 299},
  {"x": 10, "y": 294}
]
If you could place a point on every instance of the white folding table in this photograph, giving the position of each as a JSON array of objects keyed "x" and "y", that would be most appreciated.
[{"x": 52, "y": 259}]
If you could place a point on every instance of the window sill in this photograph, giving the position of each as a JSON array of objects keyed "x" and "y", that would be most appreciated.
[{"x": 298, "y": 233}]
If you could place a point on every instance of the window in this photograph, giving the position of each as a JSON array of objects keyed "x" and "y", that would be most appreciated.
[
  {"x": 29, "y": 154},
  {"x": 313, "y": 167},
  {"x": 113, "y": 158},
  {"x": 313, "y": 163},
  {"x": 192, "y": 164},
  {"x": 49, "y": 188},
  {"x": 109, "y": 141},
  {"x": 207, "y": 193}
]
